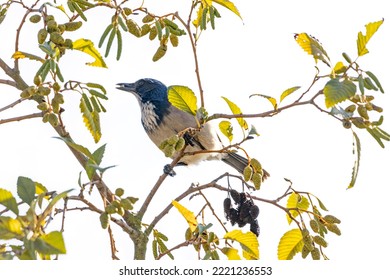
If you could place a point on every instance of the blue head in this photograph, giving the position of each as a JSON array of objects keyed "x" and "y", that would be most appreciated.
[{"x": 152, "y": 98}]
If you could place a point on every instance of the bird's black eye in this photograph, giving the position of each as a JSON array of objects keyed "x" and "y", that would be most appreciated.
[{"x": 141, "y": 83}]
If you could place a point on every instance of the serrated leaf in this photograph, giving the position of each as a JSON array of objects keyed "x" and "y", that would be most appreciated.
[
  {"x": 269, "y": 98},
  {"x": 187, "y": 214},
  {"x": 10, "y": 228},
  {"x": 77, "y": 147},
  {"x": 95, "y": 85},
  {"x": 87, "y": 46},
  {"x": 98, "y": 154},
  {"x": 310, "y": 45},
  {"x": 236, "y": 111},
  {"x": 50, "y": 244},
  {"x": 248, "y": 242},
  {"x": 231, "y": 253},
  {"x": 290, "y": 244},
  {"x": 183, "y": 98},
  {"x": 227, "y": 129},
  {"x": 287, "y": 92},
  {"x": 355, "y": 168},
  {"x": 21, "y": 55},
  {"x": 229, "y": 5},
  {"x": 26, "y": 189},
  {"x": 9, "y": 201},
  {"x": 362, "y": 40},
  {"x": 91, "y": 120},
  {"x": 336, "y": 91},
  {"x": 296, "y": 201}
]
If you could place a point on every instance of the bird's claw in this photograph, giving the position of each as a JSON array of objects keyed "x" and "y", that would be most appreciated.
[{"x": 169, "y": 170}]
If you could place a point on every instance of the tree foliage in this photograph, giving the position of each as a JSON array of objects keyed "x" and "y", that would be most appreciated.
[{"x": 348, "y": 91}]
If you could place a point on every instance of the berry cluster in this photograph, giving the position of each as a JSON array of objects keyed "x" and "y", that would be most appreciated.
[{"x": 245, "y": 212}]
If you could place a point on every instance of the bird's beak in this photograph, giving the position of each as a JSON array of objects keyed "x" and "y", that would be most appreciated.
[{"x": 130, "y": 87}]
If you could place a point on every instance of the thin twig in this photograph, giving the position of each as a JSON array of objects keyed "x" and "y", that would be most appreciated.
[
  {"x": 12, "y": 104},
  {"x": 20, "y": 118},
  {"x": 183, "y": 244},
  {"x": 8, "y": 82}
]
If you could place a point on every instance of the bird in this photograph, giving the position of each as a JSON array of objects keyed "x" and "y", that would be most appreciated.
[{"x": 160, "y": 120}]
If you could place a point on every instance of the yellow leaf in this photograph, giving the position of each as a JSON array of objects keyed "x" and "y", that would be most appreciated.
[
  {"x": 269, "y": 98},
  {"x": 310, "y": 45},
  {"x": 227, "y": 129},
  {"x": 290, "y": 244},
  {"x": 87, "y": 47},
  {"x": 21, "y": 55},
  {"x": 91, "y": 120},
  {"x": 362, "y": 40},
  {"x": 287, "y": 92},
  {"x": 183, "y": 98},
  {"x": 236, "y": 111},
  {"x": 296, "y": 201},
  {"x": 339, "y": 68},
  {"x": 231, "y": 253},
  {"x": 248, "y": 242},
  {"x": 229, "y": 5},
  {"x": 187, "y": 214}
]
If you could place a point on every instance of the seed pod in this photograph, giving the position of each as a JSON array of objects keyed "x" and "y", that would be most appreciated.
[
  {"x": 145, "y": 29},
  {"x": 314, "y": 226},
  {"x": 174, "y": 40},
  {"x": 368, "y": 106},
  {"x": 203, "y": 21},
  {"x": 170, "y": 23},
  {"x": 369, "y": 98},
  {"x": 104, "y": 220},
  {"x": 110, "y": 209},
  {"x": 45, "y": 117},
  {"x": 173, "y": 140},
  {"x": 254, "y": 211},
  {"x": 51, "y": 26},
  {"x": 346, "y": 57},
  {"x": 59, "y": 98},
  {"x": 333, "y": 228},
  {"x": 163, "y": 144},
  {"x": 235, "y": 195},
  {"x": 359, "y": 122},
  {"x": 159, "y": 29},
  {"x": 331, "y": 219},
  {"x": 188, "y": 234},
  {"x": 255, "y": 227},
  {"x": 153, "y": 33},
  {"x": 132, "y": 199},
  {"x": 159, "y": 53},
  {"x": 53, "y": 119},
  {"x": 351, "y": 108},
  {"x": 121, "y": 211},
  {"x": 43, "y": 90},
  {"x": 363, "y": 112},
  {"x": 308, "y": 241},
  {"x": 248, "y": 172},
  {"x": 61, "y": 28},
  {"x": 42, "y": 34},
  {"x": 127, "y": 11},
  {"x": 56, "y": 87},
  {"x": 180, "y": 144},
  {"x": 256, "y": 165},
  {"x": 126, "y": 204},
  {"x": 35, "y": 18},
  {"x": 305, "y": 232},
  {"x": 56, "y": 38},
  {"x": 55, "y": 106},
  {"x": 43, "y": 106},
  {"x": 119, "y": 192},
  {"x": 169, "y": 151},
  {"x": 37, "y": 80},
  {"x": 227, "y": 204},
  {"x": 377, "y": 108},
  {"x": 346, "y": 124},
  {"x": 147, "y": 18},
  {"x": 28, "y": 92},
  {"x": 133, "y": 27},
  {"x": 49, "y": 18},
  {"x": 73, "y": 26},
  {"x": 315, "y": 254},
  {"x": 320, "y": 241},
  {"x": 256, "y": 179},
  {"x": 305, "y": 252}
]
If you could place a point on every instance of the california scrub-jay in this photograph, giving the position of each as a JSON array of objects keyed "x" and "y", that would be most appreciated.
[{"x": 161, "y": 120}]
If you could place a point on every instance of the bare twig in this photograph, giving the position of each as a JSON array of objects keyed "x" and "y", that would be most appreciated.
[
  {"x": 20, "y": 118},
  {"x": 12, "y": 104},
  {"x": 8, "y": 82},
  {"x": 183, "y": 244}
]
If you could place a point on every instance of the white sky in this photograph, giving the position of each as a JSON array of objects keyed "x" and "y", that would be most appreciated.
[{"x": 236, "y": 60}]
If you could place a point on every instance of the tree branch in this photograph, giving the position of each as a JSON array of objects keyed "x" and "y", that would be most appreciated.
[
  {"x": 20, "y": 118},
  {"x": 8, "y": 82}
]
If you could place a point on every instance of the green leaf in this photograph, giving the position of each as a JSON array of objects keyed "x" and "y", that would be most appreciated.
[
  {"x": 248, "y": 242},
  {"x": 183, "y": 98},
  {"x": 51, "y": 204},
  {"x": 98, "y": 154},
  {"x": 26, "y": 189},
  {"x": 336, "y": 91},
  {"x": 91, "y": 120},
  {"x": 95, "y": 85},
  {"x": 229, "y": 5},
  {"x": 362, "y": 40},
  {"x": 227, "y": 129},
  {"x": 77, "y": 147},
  {"x": 378, "y": 135},
  {"x": 9, "y": 201},
  {"x": 310, "y": 45},
  {"x": 87, "y": 46},
  {"x": 376, "y": 81},
  {"x": 296, "y": 201},
  {"x": 269, "y": 98},
  {"x": 287, "y": 92},
  {"x": 236, "y": 111},
  {"x": 50, "y": 244},
  {"x": 356, "y": 151},
  {"x": 290, "y": 244},
  {"x": 10, "y": 228}
]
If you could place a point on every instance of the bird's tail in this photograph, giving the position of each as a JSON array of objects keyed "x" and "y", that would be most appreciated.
[{"x": 239, "y": 163}]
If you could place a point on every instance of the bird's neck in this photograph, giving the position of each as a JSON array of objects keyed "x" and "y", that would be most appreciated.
[{"x": 152, "y": 114}]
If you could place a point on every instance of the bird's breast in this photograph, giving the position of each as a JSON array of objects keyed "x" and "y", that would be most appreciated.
[{"x": 150, "y": 119}]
